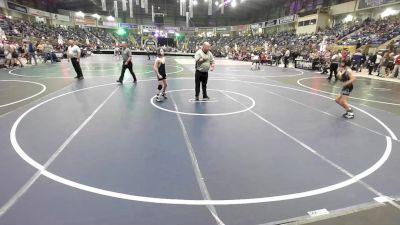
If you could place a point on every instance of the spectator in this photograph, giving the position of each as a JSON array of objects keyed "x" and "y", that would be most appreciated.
[
  {"x": 31, "y": 53},
  {"x": 371, "y": 63},
  {"x": 377, "y": 62},
  {"x": 357, "y": 57},
  {"x": 396, "y": 69},
  {"x": 390, "y": 65},
  {"x": 286, "y": 59},
  {"x": 335, "y": 61}
]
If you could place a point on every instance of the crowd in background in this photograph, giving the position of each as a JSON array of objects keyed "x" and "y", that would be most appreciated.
[
  {"x": 31, "y": 40},
  {"x": 354, "y": 33},
  {"x": 384, "y": 64},
  {"x": 374, "y": 32}
]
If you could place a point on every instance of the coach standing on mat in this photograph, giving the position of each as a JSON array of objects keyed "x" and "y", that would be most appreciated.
[
  {"x": 74, "y": 53},
  {"x": 204, "y": 62},
  {"x": 126, "y": 63}
]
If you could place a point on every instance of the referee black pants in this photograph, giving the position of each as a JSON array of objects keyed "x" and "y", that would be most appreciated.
[
  {"x": 286, "y": 61},
  {"x": 201, "y": 78},
  {"x": 129, "y": 67},
  {"x": 77, "y": 67},
  {"x": 334, "y": 70}
]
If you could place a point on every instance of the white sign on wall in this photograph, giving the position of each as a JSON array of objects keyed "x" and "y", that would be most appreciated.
[
  {"x": 110, "y": 24},
  {"x": 148, "y": 28},
  {"x": 40, "y": 19},
  {"x": 37, "y": 12},
  {"x": 287, "y": 19},
  {"x": 59, "y": 17}
]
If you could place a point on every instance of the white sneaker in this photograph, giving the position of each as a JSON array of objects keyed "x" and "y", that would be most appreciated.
[
  {"x": 159, "y": 98},
  {"x": 348, "y": 115}
]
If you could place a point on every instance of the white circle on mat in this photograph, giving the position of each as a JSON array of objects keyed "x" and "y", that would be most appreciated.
[
  {"x": 24, "y": 99},
  {"x": 146, "y": 199},
  {"x": 253, "y": 103}
]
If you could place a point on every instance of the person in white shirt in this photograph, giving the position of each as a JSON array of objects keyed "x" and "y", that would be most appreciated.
[
  {"x": 117, "y": 52},
  {"x": 377, "y": 62},
  {"x": 286, "y": 58},
  {"x": 255, "y": 59},
  {"x": 204, "y": 63},
  {"x": 335, "y": 61},
  {"x": 74, "y": 53}
]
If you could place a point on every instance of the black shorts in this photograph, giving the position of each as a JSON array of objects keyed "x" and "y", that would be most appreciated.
[
  {"x": 163, "y": 77},
  {"x": 390, "y": 66},
  {"x": 347, "y": 90}
]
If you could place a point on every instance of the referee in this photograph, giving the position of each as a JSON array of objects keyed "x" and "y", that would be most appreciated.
[
  {"x": 74, "y": 53},
  {"x": 204, "y": 62},
  {"x": 126, "y": 63}
]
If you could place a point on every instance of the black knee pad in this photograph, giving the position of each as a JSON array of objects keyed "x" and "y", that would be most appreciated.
[{"x": 159, "y": 87}]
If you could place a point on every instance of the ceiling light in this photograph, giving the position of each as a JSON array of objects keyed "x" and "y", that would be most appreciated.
[
  {"x": 233, "y": 4},
  {"x": 389, "y": 12},
  {"x": 195, "y": 2},
  {"x": 110, "y": 18},
  {"x": 348, "y": 18},
  {"x": 216, "y": 3},
  {"x": 97, "y": 16},
  {"x": 80, "y": 14},
  {"x": 121, "y": 32}
]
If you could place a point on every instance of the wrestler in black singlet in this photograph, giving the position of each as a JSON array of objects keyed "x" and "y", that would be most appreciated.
[
  {"x": 346, "y": 90},
  {"x": 161, "y": 71}
]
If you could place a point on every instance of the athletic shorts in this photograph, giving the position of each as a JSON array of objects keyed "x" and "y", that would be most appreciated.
[
  {"x": 163, "y": 77},
  {"x": 390, "y": 65},
  {"x": 347, "y": 90}
]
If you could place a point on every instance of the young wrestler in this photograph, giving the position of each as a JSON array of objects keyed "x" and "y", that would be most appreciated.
[
  {"x": 347, "y": 76},
  {"x": 159, "y": 68}
]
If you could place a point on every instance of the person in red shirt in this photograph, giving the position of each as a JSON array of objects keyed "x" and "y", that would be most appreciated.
[
  {"x": 263, "y": 58},
  {"x": 396, "y": 70},
  {"x": 344, "y": 55}
]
